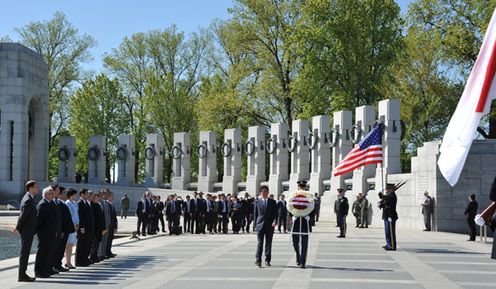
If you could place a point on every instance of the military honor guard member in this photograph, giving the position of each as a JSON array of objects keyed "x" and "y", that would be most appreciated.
[
  {"x": 342, "y": 207},
  {"x": 389, "y": 215},
  {"x": 300, "y": 205}
]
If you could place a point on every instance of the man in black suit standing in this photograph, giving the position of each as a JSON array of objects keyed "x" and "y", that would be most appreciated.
[
  {"x": 470, "y": 213},
  {"x": 140, "y": 213},
  {"x": 265, "y": 222},
  {"x": 26, "y": 226},
  {"x": 186, "y": 206},
  {"x": 67, "y": 228},
  {"x": 282, "y": 213},
  {"x": 113, "y": 224},
  {"x": 57, "y": 214},
  {"x": 160, "y": 211},
  {"x": 224, "y": 213},
  {"x": 172, "y": 211},
  {"x": 47, "y": 232},
  {"x": 85, "y": 231}
]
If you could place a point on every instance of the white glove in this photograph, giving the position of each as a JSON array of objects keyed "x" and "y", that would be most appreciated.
[
  {"x": 479, "y": 220},
  {"x": 294, "y": 218},
  {"x": 307, "y": 218},
  {"x": 390, "y": 219}
]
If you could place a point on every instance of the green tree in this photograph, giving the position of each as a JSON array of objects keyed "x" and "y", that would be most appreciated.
[
  {"x": 349, "y": 46},
  {"x": 65, "y": 49},
  {"x": 459, "y": 27},
  {"x": 98, "y": 108}
]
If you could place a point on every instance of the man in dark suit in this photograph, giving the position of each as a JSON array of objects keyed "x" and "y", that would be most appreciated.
[
  {"x": 342, "y": 208},
  {"x": 26, "y": 226},
  {"x": 172, "y": 211},
  {"x": 57, "y": 214},
  {"x": 470, "y": 213},
  {"x": 99, "y": 227},
  {"x": 265, "y": 222},
  {"x": 140, "y": 213},
  {"x": 224, "y": 214},
  {"x": 113, "y": 223},
  {"x": 201, "y": 214},
  {"x": 150, "y": 212},
  {"x": 47, "y": 232},
  {"x": 282, "y": 213},
  {"x": 160, "y": 211},
  {"x": 67, "y": 228},
  {"x": 85, "y": 231},
  {"x": 186, "y": 207}
]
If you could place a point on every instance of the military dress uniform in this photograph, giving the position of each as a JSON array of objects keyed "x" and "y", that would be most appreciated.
[
  {"x": 389, "y": 215},
  {"x": 299, "y": 233}
]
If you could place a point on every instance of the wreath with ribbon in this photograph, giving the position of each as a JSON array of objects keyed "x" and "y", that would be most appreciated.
[
  {"x": 300, "y": 203},
  {"x": 121, "y": 153},
  {"x": 176, "y": 152},
  {"x": 93, "y": 153}
]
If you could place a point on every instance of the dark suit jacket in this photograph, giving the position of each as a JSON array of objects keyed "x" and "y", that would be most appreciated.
[
  {"x": 57, "y": 213},
  {"x": 113, "y": 217},
  {"x": 27, "y": 218},
  {"x": 282, "y": 211},
  {"x": 492, "y": 193},
  {"x": 471, "y": 210},
  {"x": 67, "y": 224},
  {"x": 45, "y": 221},
  {"x": 139, "y": 209},
  {"x": 169, "y": 212},
  {"x": 99, "y": 220},
  {"x": 265, "y": 217},
  {"x": 221, "y": 207}
]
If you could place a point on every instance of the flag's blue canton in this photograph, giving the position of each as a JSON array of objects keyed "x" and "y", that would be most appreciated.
[{"x": 374, "y": 137}]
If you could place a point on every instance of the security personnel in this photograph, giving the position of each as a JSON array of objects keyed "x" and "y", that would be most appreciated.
[
  {"x": 299, "y": 232},
  {"x": 342, "y": 208},
  {"x": 389, "y": 215}
]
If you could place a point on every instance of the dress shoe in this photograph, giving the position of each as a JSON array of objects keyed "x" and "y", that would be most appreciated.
[
  {"x": 42, "y": 275},
  {"x": 53, "y": 271},
  {"x": 95, "y": 260},
  {"x": 302, "y": 266},
  {"x": 259, "y": 264},
  {"x": 426, "y": 230},
  {"x": 61, "y": 269},
  {"x": 267, "y": 264},
  {"x": 340, "y": 236},
  {"x": 390, "y": 249},
  {"x": 25, "y": 278}
]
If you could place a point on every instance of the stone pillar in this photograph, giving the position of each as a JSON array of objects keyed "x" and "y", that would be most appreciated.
[
  {"x": 67, "y": 159},
  {"x": 181, "y": 160},
  {"x": 96, "y": 158},
  {"x": 365, "y": 118},
  {"x": 342, "y": 125},
  {"x": 277, "y": 148},
  {"x": 126, "y": 160},
  {"x": 255, "y": 150},
  {"x": 24, "y": 119},
  {"x": 154, "y": 171},
  {"x": 231, "y": 151},
  {"x": 300, "y": 153},
  {"x": 207, "y": 154},
  {"x": 320, "y": 153},
  {"x": 389, "y": 114}
]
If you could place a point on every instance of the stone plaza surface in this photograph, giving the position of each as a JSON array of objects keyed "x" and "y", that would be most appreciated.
[{"x": 423, "y": 260}]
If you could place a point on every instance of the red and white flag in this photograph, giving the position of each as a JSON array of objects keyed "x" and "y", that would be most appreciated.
[{"x": 474, "y": 104}]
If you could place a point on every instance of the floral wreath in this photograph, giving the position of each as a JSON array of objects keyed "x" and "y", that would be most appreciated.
[{"x": 300, "y": 203}]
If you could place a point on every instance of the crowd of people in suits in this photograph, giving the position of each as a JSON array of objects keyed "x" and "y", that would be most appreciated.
[
  {"x": 60, "y": 222},
  {"x": 206, "y": 213}
]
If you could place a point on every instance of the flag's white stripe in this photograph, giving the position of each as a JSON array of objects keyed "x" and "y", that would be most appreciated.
[
  {"x": 342, "y": 169},
  {"x": 345, "y": 161},
  {"x": 357, "y": 151}
]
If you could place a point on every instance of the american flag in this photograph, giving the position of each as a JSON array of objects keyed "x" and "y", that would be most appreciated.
[{"x": 367, "y": 152}]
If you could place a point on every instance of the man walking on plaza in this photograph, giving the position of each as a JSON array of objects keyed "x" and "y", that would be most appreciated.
[
  {"x": 265, "y": 222},
  {"x": 26, "y": 226}
]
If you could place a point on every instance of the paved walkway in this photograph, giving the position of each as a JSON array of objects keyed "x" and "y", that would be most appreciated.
[{"x": 423, "y": 260}]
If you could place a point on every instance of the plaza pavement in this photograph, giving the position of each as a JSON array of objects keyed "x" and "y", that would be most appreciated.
[{"x": 424, "y": 260}]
